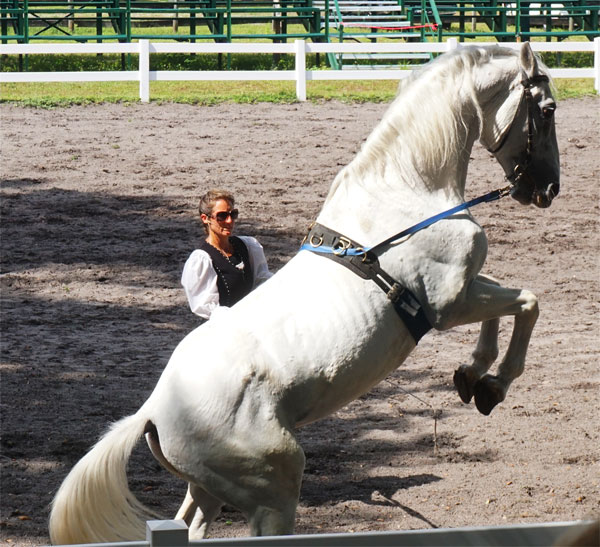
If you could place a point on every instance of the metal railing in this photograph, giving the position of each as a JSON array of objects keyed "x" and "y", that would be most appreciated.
[{"x": 174, "y": 533}]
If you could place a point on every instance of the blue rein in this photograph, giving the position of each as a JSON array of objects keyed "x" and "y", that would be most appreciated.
[{"x": 361, "y": 251}]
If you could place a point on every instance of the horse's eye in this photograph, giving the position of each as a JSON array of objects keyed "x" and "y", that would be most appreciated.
[{"x": 548, "y": 111}]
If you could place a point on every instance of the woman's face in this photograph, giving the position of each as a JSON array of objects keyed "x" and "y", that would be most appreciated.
[{"x": 221, "y": 221}]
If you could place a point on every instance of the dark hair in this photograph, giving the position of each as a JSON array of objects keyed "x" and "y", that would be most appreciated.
[{"x": 210, "y": 198}]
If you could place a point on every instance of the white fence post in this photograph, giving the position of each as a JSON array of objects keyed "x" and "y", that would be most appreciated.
[
  {"x": 167, "y": 533},
  {"x": 300, "y": 70},
  {"x": 452, "y": 44},
  {"x": 144, "y": 70},
  {"x": 597, "y": 64}
]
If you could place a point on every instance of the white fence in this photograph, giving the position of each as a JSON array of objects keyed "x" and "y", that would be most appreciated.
[
  {"x": 174, "y": 533},
  {"x": 299, "y": 49}
]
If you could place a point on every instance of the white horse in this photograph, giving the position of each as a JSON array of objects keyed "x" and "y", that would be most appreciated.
[{"x": 318, "y": 334}]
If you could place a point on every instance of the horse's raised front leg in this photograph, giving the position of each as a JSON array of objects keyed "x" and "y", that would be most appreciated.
[
  {"x": 199, "y": 509},
  {"x": 486, "y": 352},
  {"x": 486, "y": 302}
]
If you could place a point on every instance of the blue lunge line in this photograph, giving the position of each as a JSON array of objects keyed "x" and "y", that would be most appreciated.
[{"x": 353, "y": 251}]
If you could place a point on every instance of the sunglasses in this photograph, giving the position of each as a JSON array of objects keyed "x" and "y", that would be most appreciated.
[{"x": 222, "y": 216}]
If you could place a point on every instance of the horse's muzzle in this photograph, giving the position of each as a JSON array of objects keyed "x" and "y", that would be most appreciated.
[
  {"x": 543, "y": 198},
  {"x": 527, "y": 194}
]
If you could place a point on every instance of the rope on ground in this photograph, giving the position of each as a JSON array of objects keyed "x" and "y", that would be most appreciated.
[{"x": 435, "y": 412}]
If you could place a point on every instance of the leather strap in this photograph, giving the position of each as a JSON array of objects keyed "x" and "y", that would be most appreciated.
[{"x": 365, "y": 264}]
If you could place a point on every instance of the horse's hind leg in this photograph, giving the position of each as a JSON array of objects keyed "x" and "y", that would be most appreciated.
[
  {"x": 258, "y": 471},
  {"x": 267, "y": 521},
  {"x": 273, "y": 503},
  {"x": 199, "y": 509},
  {"x": 268, "y": 480},
  {"x": 486, "y": 352}
]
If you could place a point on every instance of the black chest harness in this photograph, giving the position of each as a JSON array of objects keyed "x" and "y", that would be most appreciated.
[
  {"x": 364, "y": 261},
  {"x": 366, "y": 265}
]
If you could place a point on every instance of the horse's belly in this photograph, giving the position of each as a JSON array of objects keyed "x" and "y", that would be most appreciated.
[
  {"x": 350, "y": 381},
  {"x": 327, "y": 335}
]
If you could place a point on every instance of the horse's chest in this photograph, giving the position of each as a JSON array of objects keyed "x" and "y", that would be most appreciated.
[{"x": 443, "y": 263}]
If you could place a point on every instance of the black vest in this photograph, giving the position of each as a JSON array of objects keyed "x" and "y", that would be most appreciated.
[{"x": 233, "y": 282}]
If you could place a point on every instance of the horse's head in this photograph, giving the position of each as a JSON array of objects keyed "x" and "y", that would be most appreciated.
[{"x": 526, "y": 146}]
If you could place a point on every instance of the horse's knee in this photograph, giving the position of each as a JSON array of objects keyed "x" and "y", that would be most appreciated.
[{"x": 529, "y": 304}]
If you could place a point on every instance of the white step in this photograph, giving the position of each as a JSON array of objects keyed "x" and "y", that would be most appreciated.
[
  {"x": 366, "y": 17},
  {"x": 393, "y": 6},
  {"x": 375, "y": 21},
  {"x": 359, "y": 5},
  {"x": 367, "y": 9},
  {"x": 399, "y": 33},
  {"x": 350, "y": 3},
  {"x": 369, "y": 67},
  {"x": 366, "y": 26},
  {"x": 380, "y": 56}
]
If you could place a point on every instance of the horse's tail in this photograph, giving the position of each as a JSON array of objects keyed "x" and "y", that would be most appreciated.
[{"x": 94, "y": 503}]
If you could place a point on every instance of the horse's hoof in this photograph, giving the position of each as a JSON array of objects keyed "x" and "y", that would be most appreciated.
[
  {"x": 462, "y": 384},
  {"x": 488, "y": 393}
]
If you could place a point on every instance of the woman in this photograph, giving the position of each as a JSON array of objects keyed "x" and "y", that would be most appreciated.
[{"x": 225, "y": 268}]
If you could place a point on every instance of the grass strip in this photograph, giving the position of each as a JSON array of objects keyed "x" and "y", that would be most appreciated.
[{"x": 51, "y": 95}]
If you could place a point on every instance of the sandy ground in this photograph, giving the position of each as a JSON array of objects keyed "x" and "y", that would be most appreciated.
[{"x": 98, "y": 217}]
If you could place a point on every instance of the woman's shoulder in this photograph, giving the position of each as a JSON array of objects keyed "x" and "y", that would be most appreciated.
[{"x": 198, "y": 256}]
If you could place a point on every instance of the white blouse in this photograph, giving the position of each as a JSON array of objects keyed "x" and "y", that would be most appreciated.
[{"x": 199, "y": 278}]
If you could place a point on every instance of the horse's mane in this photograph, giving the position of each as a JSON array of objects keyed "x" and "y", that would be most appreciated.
[{"x": 427, "y": 111}]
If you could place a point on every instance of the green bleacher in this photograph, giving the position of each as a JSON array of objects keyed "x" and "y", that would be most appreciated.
[
  {"x": 126, "y": 20},
  {"x": 26, "y": 21},
  {"x": 220, "y": 20},
  {"x": 506, "y": 20}
]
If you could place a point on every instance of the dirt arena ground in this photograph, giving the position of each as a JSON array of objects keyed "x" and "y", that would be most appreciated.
[{"x": 98, "y": 217}]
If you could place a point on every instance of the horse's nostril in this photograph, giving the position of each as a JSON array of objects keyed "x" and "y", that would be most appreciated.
[
  {"x": 548, "y": 111},
  {"x": 553, "y": 189}
]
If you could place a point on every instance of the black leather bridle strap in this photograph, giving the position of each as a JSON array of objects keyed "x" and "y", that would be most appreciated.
[{"x": 520, "y": 168}]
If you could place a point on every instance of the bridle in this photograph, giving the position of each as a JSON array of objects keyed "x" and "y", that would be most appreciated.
[{"x": 520, "y": 168}]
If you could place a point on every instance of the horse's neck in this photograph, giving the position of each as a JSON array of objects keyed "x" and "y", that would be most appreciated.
[
  {"x": 414, "y": 164},
  {"x": 386, "y": 188}
]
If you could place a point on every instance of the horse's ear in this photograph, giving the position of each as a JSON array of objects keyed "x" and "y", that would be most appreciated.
[{"x": 528, "y": 60}]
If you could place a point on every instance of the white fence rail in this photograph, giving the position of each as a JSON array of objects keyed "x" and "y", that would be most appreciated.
[
  {"x": 174, "y": 533},
  {"x": 300, "y": 48}
]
